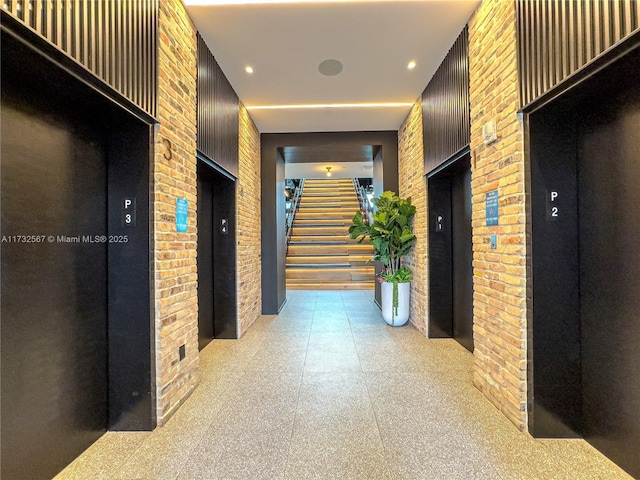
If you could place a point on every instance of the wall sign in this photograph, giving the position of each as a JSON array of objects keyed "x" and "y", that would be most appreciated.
[
  {"x": 553, "y": 211},
  {"x": 182, "y": 209},
  {"x": 491, "y": 201},
  {"x": 129, "y": 212}
]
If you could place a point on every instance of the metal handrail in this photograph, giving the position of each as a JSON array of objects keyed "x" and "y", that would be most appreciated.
[
  {"x": 291, "y": 212},
  {"x": 365, "y": 205}
]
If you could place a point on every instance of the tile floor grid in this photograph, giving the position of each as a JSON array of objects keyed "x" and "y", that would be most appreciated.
[{"x": 326, "y": 390}]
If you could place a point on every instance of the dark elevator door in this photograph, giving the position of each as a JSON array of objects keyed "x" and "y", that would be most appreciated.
[
  {"x": 451, "y": 253},
  {"x": 608, "y": 197},
  {"x": 54, "y": 289},
  {"x": 205, "y": 260},
  {"x": 462, "y": 257}
]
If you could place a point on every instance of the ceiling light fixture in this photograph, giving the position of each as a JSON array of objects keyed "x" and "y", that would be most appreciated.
[
  {"x": 411, "y": 65},
  {"x": 248, "y": 69},
  {"x": 330, "y": 105},
  {"x": 328, "y": 171}
]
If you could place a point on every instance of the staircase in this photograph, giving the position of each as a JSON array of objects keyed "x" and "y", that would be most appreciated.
[{"x": 320, "y": 255}]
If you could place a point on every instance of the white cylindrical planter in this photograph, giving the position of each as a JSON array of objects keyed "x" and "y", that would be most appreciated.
[{"x": 401, "y": 315}]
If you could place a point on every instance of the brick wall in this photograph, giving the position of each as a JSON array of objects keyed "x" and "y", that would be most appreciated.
[
  {"x": 248, "y": 223},
  {"x": 174, "y": 175},
  {"x": 412, "y": 183},
  {"x": 500, "y": 274}
]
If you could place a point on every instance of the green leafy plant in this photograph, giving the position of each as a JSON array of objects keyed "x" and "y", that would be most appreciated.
[{"x": 391, "y": 235}]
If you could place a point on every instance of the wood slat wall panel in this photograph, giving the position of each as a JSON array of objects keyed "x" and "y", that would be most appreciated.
[
  {"x": 556, "y": 38},
  {"x": 218, "y": 112},
  {"x": 113, "y": 39},
  {"x": 445, "y": 106}
]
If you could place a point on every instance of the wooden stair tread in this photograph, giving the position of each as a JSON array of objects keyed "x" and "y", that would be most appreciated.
[{"x": 320, "y": 254}]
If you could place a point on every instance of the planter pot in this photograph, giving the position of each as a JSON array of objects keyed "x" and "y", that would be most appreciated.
[{"x": 400, "y": 316}]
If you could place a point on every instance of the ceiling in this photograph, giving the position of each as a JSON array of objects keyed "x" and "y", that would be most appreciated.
[{"x": 286, "y": 42}]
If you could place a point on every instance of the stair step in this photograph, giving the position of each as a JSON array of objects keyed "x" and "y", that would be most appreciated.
[
  {"x": 329, "y": 192},
  {"x": 320, "y": 238},
  {"x": 318, "y": 265},
  {"x": 335, "y": 215},
  {"x": 346, "y": 206},
  {"x": 330, "y": 259},
  {"x": 330, "y": 286},
  {"x": 317, "y": 182},
  {"x": 344, "y": 249},
  {"x": 333, "y": 273},
  {"x": 323, "y": 201},
  {"x": 320, "y": 230},
  {"x": 320, "y": 254},
  {"x": 322, "y": 221}
]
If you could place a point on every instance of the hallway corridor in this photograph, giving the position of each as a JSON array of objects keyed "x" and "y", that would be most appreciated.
[{"x": 326, "y": 390}]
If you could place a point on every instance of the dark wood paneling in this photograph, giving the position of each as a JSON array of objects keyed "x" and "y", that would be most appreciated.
[
  {"x": 445, "y": 107},
  {"x": 557, "y": 38},
  {"x": 328, "y": 154},
  {"x": 207, "y": 85},
  {"x": 218, "y": 113},
  {"x": 114, "y": 40}
]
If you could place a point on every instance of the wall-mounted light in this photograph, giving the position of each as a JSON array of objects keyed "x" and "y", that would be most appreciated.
[{"x": 328, "y": 171}]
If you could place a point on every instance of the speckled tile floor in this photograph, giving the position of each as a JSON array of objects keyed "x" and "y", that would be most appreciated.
[{"x": 326, "y": 390}]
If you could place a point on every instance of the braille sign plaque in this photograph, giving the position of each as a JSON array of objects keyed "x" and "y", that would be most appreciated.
[
  {"x": 182, "y": 208},
  {"x": 491, "y": 201}
]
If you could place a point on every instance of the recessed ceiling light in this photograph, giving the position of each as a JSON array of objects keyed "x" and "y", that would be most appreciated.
[
  {"x": 248, "y": 69},
  {"x": 329, "y": 105},
  {"x": 411, "y": 65},
  {"x": 252, "y": 2},
  {"x": 330, "y": 67}
]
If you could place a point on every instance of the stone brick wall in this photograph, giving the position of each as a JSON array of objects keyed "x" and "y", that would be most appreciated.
[
  {"x": 412, "y": 183},
  {"x": 500, "y": 279},
  {"x": 174, "y": 175},
  {"x": 248, "y": 221}
]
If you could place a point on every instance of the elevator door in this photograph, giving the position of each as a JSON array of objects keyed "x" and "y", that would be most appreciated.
[
  {"x": 451, "y": 253},
  {"x": 205, "y": 260},
  {"x": 609, "y": 232},
  {"x": 54, "y": 289},
  {"x": 462, "y": 257}
]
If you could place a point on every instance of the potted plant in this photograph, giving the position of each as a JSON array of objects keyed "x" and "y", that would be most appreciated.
[{"x": 392, "y": 237}]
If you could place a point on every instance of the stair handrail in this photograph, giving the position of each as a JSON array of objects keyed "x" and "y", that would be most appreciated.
[
  {"x": 291, "y": 211},
  {"x": 363, "y": 200}
]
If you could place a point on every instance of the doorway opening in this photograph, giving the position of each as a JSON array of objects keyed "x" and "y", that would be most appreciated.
[
  {"x": 217, "y": 290},
  {"x": 451, "y": 252},
  {"x": 585, "y": 327},
  {"x": 76, "y": 294}
]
